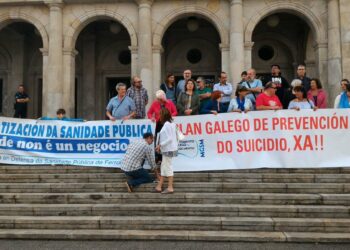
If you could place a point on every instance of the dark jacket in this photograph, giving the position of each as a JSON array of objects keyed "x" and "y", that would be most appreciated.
[
  {"x": 212, "y": 105},
  {"x": 182, "y": 101}
]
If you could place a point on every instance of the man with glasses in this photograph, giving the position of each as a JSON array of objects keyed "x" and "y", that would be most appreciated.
[
  {"x": 140, "y": 97},
  {"x": 268, "y": 100},
  {"x": 204, "y": 93},
  {"x": 301, "y": 75},
  {"x": 120, "y": 107},
  {"x": 181, "y": 84},
  {"x": 253, "y": 85}
]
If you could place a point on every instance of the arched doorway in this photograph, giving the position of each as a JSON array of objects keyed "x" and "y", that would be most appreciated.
[
  {"x": 192, "y": 43},
  {"x": 21, "y": 62},
  {"x": 284, "y": 39},
  {"x": 104, "y": 59}
]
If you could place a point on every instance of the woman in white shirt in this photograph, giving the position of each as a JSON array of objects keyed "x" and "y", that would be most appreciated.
[{"x": 168, "y": 146}]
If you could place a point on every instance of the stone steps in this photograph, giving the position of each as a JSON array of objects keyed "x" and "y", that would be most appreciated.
[
  {"x": 201, "y": 223},
  {"x": 281, "y": 205},
  {"x": 167, "y": 209},
  {"x": 197, "y": 187},
  {"x": 19, "y": 169},
  {"x": 175, "y": 235},
  {"x": 178, "y": 198},
  {"x": 180, "y": 177}
]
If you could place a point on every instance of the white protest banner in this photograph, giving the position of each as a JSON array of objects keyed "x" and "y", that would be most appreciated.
[
  {"x": 95, "y": 143},
  {"x": 264, "y": 139}
]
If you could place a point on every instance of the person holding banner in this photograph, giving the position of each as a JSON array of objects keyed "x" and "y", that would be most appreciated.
[
  {"x": 61, "y": 116},
  {"x": 188, "y": 101},
  {"x": 317, "y": 93},
  {"x": 167, "y": 145},
  {"x": 343, "y": 85},
  {"x": 132, "y": 164},
  {"x": 204, "y": 93},
  {"x": 240, "y": 103},
  {"x": 344, "y": 102},
  {"x": 268, "y": 100},
  {"x": 214, "y": 106},
  {"x": 301, "y": 101},
  {"x": 121, "y": 107}
]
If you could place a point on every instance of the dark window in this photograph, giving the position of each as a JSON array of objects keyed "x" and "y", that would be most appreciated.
[
  {"x": 266, "y": 53},
  {"x": 194, "y": 56},
  {"x": 125, "y": 57}
]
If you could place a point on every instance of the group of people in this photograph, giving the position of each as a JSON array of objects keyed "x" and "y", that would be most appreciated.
[{"x": 193, "y": 97}]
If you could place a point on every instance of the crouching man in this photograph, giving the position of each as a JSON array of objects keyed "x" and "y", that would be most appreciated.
[{"x": 135, "y": 156}]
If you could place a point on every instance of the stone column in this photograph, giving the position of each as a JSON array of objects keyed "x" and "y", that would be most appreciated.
[
  {"x": 134, "y": 60},
  {"x": 248, "y": 47},
  {"x": 69, "y": 81},
  {"x": 334, "y": 50},
  {"x": 236, "y": 40},
  {"x": 145, "y": 62},
  {"x": 157, "y": 70},
  {"x": 45, "y": 54},
  {"x": 321, "y": 52},
  {"x": 225, "y": 57},
  {"x": 344, "y": 8},
  {"x": 53, "y": 87}
]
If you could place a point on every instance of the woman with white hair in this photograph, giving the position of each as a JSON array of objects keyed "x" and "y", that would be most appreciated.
[
  {"x": 158, "y": 104},
  {"x": 289, "y": 95},
  {"x": 154, "y": 113}
]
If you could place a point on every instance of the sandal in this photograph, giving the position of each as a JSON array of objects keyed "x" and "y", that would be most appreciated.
[
  {"x": 166, "y": 191},
  {"x": 154, "y": 190}
]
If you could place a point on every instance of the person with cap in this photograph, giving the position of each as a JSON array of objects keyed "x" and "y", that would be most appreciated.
[{"x": 268, "y": 100}]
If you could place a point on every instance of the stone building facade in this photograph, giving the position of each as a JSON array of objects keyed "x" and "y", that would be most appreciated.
[{"x": 71, "y": 53}]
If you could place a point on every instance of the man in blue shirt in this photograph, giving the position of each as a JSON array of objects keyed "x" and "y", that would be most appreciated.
[
  {"x": 254, "y": 86},
  {"x": 121, "y": 107},
  {"x": 226, "y": 89}
]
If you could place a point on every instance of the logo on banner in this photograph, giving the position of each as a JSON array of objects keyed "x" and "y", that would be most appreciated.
[{"x": 201, "y": 148}]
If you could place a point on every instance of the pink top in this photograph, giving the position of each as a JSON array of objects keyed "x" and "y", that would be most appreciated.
[
  {"x": 265, "y": 100},
  {"x": 321, "y": 98},
  {"x": 156, "y": 107}
]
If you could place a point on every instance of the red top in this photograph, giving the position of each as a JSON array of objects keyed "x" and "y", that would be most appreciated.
[
  {"x": 156, "y": 107},
  {"x": 321, "y": 98},
  {"x": 265, "y": 100}
]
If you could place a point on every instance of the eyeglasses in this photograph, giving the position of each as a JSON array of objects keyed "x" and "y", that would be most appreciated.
[
  {"x": 138, "y": 82},
  {"x": 274, "y": 88},
  {"x": 198, "y": 81}
]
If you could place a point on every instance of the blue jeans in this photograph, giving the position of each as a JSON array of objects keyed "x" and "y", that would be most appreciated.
[{"x": 138, "y": 177}]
